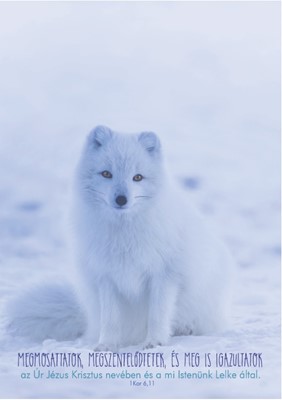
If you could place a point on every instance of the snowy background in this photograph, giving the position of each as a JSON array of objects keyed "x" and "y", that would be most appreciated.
[{"x": 206, "y": 77}]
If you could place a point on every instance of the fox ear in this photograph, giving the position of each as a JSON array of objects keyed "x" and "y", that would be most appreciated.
[
  {"x": 150, "y": 142},
  {"x": 99, "y": 136}
]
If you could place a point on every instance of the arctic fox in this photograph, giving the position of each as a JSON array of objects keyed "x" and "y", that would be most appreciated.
[{"x": 147, "y": 265}]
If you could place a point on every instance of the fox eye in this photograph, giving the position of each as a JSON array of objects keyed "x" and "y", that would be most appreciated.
[
  {"x": 138, "y": 178},
  {"x": 106, "y": 174}
]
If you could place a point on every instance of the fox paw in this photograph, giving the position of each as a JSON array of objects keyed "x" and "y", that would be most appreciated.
[
  {"x": 150, "y": 344},
  {"x": 106, "y": 347}
]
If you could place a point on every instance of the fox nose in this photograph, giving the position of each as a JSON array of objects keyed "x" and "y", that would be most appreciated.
[{"x": 121, "y": 200}]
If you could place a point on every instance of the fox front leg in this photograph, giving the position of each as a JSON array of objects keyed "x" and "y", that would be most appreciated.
[
  {"x": 109, "y": 338},
  {"x": 162, "y": 297}
]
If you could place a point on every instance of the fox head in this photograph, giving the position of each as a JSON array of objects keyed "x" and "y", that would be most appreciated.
[{"x": 120, "y": 172}]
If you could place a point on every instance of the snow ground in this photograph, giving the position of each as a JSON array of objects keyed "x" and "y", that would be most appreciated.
[{"x": 205, "y": 77}]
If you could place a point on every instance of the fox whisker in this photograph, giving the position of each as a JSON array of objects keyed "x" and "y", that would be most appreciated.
[{"x": 90, "y": 189}]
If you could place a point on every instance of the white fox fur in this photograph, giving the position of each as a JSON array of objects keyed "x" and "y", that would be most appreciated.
[
  {"x": 146, "y": 269},
  {"x": 46, "y": 310}
]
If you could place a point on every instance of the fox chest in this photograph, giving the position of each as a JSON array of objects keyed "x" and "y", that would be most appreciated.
[
  {"x": 129, "y": 265},
  {"x": 129, "y": 270}
]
